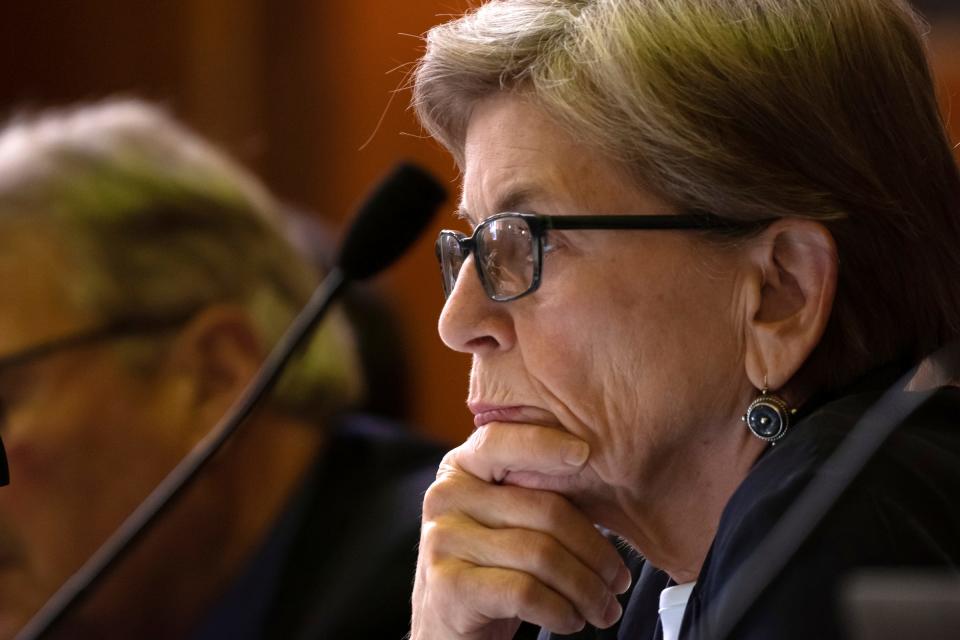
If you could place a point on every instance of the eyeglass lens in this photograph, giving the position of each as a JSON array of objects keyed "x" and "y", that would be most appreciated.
[
  {"x": 451, "y": 260},
  {"x": 506, "y": 256}
]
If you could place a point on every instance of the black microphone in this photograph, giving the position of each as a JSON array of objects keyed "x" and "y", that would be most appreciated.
[
  {"x": 391, "y": 219},
  {"x": 393, "y": 216}
]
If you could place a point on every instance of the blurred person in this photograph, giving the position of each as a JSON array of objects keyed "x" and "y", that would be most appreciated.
[
  {"x": 702, "y": 239},
  {"x": 144, "y": 279}
]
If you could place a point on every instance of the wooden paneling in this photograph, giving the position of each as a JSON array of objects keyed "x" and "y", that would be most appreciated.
[
  {"x": 945, "y": 55},
  {"x": 294, "y": 88},
  {"x": 363, "y": 60}
]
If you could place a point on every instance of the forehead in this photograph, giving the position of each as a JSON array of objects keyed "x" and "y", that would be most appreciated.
[
  {"x": 517, "y": 158},
  {"x": 35, "y": 302}
]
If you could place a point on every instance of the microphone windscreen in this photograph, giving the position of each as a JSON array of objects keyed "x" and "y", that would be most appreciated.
[{"x": 391, "y": 219}]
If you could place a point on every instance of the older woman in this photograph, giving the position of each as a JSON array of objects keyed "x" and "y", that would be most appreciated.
[{"x": 699, "y": 229}]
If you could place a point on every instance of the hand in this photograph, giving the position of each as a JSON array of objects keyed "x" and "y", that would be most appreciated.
[{"x": 492, "y": 555}]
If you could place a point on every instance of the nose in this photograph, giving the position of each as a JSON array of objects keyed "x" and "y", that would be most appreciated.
[{"x": 471, "y": 322}]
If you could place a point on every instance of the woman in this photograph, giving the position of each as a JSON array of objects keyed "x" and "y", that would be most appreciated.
[{"x": 687, "y": 215}]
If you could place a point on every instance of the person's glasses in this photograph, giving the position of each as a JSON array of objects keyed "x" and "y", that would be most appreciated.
[
  {"x": 508, "y": 247},
  {"x": 117, "y": 330}
]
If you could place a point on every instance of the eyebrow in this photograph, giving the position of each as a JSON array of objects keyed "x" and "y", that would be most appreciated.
[{"x": 513, "y": 201}]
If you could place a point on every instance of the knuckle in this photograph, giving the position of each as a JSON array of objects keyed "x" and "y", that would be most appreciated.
[
  {"x": 442, "y": 595},
  {"x": 554, "y": 508},
  {"x": 433, "y": 500},
  {"x": 543, "y": 552},
  {"x": 429, "y": 542},
  {"x": 436, "y": 539},
  {"x": 526, "y": 590},
  {"x": 490, "y": 440},
  {"x": 438, "y": 497},
  {"x": 461, "y": 593},
  {"x": 440, "y": 579},
  {"x": 459, "y": 622},
  {"x": 448, "y": 463},
  {"x": 479, "y": 441}
]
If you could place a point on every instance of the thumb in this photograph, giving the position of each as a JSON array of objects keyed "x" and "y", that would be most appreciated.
[{"x": 498, "y": 448}]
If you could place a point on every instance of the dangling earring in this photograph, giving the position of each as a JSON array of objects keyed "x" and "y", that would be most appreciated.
[{"x": 768, "y": 417}]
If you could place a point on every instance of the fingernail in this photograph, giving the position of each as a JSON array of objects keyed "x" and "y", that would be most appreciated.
[
  {"x": 623, "y": 581},
  {"x": 576, "y": 453},
  {"x": 613, "y": 611}
]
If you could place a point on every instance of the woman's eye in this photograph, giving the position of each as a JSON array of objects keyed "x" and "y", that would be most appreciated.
[{"x": 552, "y": 243}]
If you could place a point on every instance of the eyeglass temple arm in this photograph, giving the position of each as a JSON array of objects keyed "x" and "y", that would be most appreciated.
[{"x": 653, "y": 222}]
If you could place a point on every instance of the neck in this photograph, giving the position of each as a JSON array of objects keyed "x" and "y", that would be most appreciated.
[{"x": 674, "y": 519}]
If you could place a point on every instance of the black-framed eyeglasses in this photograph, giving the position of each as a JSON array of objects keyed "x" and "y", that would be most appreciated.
[
  {"x": 508, "y": 247},
  {"x": 126, "y": 328}
]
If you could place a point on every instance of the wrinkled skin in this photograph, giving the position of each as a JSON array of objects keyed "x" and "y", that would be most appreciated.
[{"x": 632, "y": 347}]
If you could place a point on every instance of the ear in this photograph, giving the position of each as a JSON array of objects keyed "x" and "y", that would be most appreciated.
[
  {"x": 217, "y": 353},
  {"x": 790, "y": 292}
]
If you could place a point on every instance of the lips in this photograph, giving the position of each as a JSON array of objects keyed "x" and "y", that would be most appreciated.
[{"x": 484, "y": 413}]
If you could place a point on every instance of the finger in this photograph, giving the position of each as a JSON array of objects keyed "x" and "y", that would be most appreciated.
[
  {"x": 535, "y": 553},
  {"x": 509, "y": 507},
  {"x": 497, "y": 448},
  {"x": 499, "y": 594}
]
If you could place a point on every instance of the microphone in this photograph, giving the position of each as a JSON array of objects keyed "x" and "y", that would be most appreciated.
[{"x": 390, "y": 220}]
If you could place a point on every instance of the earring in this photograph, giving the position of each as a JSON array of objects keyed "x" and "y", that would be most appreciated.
[{"x": 768, "y": 417}]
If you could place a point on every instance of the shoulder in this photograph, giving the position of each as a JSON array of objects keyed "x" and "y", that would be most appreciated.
[
  {"x": 902, "y": 510},
  {"x": 919, "y": 465}
]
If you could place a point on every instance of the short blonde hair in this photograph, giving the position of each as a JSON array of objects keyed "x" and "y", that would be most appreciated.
[
  {"x": 750, "y": 109},
  {"x": 160, "y": 224}
]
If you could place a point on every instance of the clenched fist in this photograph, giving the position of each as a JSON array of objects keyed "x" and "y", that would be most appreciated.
[{"x": 492, "y": 554}]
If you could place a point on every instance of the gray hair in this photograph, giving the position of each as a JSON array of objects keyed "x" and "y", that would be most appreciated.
[
  {"x": 160, "y": 224},
  {"x": 751, "y": 109}
]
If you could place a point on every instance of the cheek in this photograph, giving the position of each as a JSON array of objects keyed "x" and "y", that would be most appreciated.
[
  {"x": 45, "y": 528},
  {"x": 626, "y": 362},
  {"x": 77, "y": 469},
  {"x": 594, "y": 342}
]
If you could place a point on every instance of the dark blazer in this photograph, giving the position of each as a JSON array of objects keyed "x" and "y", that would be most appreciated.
[
  {"x": 903, "y": 510},
  {"x": 340, "y": 561}
]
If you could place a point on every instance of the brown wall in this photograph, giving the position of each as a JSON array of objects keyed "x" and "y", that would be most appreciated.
[
  {"x": 945, "y": 50},
  {"x": 301, "y": 91},
  {"x": 363, "y": 60}
]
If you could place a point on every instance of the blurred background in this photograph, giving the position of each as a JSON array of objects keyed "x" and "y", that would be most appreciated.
[{"x": 309, "y": 94}]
